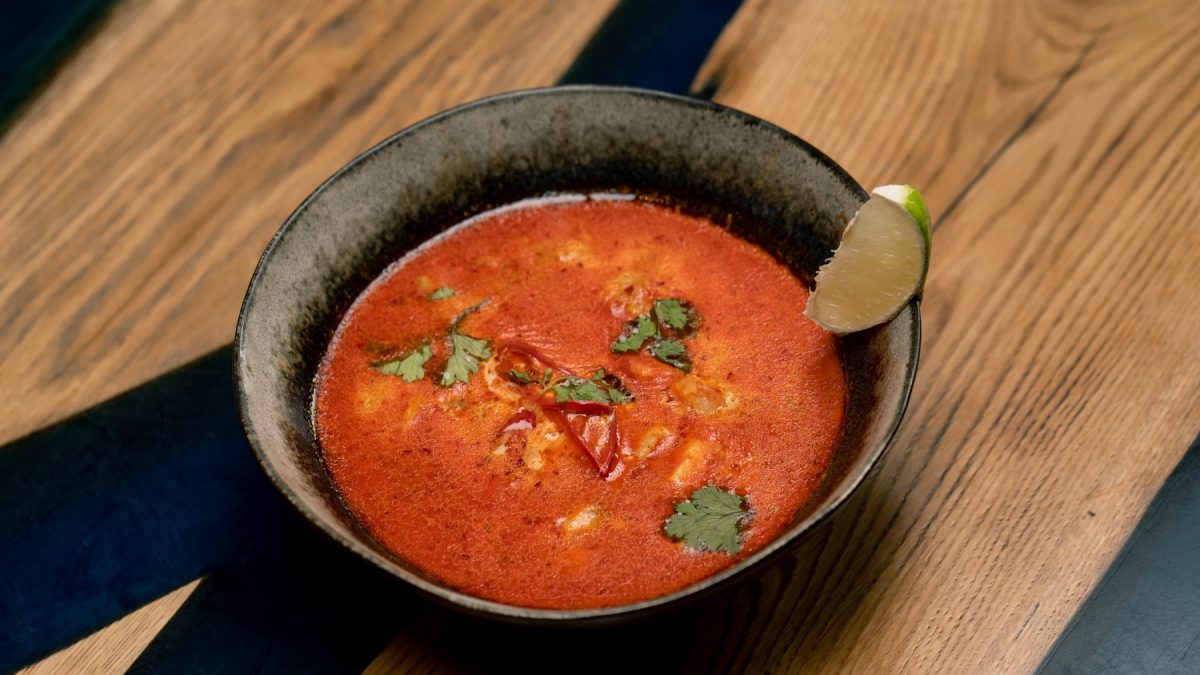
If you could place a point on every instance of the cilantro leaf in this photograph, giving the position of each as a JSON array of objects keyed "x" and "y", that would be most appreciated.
[
  {"x": 520, "y": 377},
  {"x": 711, "y": 520},
  {"x": 612, "y": 385},
  {"x": 634, "y": 334},
  {"x": 466, "y": 353},
  {"x": 547, "y": 376},
  {"x": 579, "y": 389},
  {"x": 672, "y": 353},
  {"x": 442, "y": 293},
  {"x": 619, "y": 396},
  {"x": 410, "y": 368},
  {"x": 677, "y": 315},
  {"x": 468, "y": 312}
]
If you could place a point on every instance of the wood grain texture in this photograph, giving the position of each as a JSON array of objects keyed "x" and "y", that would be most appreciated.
[
  {"x": 926, "y": 91},
  {"x": 114, "y": 648},
  {"x": 1058, "y": 142},
  {"x": 138, "y": 191},
  {"x": 1060, "y": 380}
]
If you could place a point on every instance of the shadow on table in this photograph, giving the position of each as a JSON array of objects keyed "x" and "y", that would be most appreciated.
[
  {"x": 716, "y": 634},
  {"x": 143, "y": 494},
  {"x": 299, "y": 603},
  {"x": 711, "y": 635}
]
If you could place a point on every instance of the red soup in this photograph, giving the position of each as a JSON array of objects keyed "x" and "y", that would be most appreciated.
[{"x": 579, "y": 403}]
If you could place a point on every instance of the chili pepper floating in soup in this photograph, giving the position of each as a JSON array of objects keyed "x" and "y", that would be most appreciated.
[{"x": 582, "y": 408}]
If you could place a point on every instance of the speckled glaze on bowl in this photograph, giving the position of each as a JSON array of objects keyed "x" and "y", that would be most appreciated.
[{"x": 777, "y": 190}]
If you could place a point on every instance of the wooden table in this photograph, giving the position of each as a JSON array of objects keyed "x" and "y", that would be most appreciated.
[{"x": 1057, "y": 142}]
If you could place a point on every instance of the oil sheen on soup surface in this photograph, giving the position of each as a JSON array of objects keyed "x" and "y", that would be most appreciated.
[{"x": 579, "y": 403}]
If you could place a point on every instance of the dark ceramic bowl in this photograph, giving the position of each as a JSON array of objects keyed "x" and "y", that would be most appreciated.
[{"x": 782, "y": 194}]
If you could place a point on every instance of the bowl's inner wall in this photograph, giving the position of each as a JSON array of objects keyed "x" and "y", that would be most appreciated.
[{"x": 779, "y": 193}]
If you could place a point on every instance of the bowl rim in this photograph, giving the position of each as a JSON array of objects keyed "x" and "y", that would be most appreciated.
[{"x": 517, "y": 613}]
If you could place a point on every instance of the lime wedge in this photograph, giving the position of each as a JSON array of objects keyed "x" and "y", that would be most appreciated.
[{"x": 879, "y": 266}]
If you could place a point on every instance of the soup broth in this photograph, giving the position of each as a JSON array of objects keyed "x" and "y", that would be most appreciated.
[{"x": 579, "y": 403}]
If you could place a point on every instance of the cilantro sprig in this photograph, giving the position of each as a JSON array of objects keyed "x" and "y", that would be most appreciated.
[
  {"x": 442, "y": 293},
  {"x": 602, "y": 387},
  {"x": 670, "y": 320},
  {"x": 520, "y": 377},
  {"x": 612, "y": 385},
  {"x": 635, "y": 334},
  {"x": 672, "y": 353},
  {"x": 465, "y": 356},
  {"x": 676, "y": 316},
  {"x": 530, "y": 377},
  {"x": 579, "y": 390},
  {"x": 410, "y": 368},
  {"x": 712, "y": 519},
  {"x": 466, "y": 353}
]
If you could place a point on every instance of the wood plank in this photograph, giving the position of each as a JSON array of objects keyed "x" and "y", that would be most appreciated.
[
  {"x": 114, "y": 648},
  {"x": 1060, "y": 381},
  {"x": 138, "y": 191},
  {"x": 925, "y": 90}
]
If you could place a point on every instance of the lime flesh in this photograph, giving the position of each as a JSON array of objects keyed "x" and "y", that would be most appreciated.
[{"x": 879, "y": 266}]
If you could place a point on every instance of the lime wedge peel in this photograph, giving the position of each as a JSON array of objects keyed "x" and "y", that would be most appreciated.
[
  {"x": 879, "y": 266},
  {"x": 912, "y": 201}
]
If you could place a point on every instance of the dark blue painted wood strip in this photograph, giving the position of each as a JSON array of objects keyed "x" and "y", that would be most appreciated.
[
  {"x": 656, "y": 44},
  {"x": 1144, "y": 615},
  {"x": 121, "y": 504},
  {"x": 34, "y": 39}
]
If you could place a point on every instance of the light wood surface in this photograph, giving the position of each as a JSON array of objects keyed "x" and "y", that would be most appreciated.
[
  {"x": 1058, "y": 144},
  {"x": 138, "y": 191},
  {"x": 1060, "y": 377}
]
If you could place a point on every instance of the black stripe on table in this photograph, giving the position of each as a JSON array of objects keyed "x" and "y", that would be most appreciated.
[
  {"x": 35, "y": 37},
  {"x": 1144, "y": 615}
]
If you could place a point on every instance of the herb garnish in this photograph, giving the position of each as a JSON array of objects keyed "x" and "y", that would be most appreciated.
[
  {"x": 530, "y": 377},
  {"x": 466, "y": 354},
  {"x": 613, "y": 386},
  {"x": 468, "y": 312},
  {"x": 671, "y": 319},
  {"x": 676, "y": 315},
  {"x": 672, "y": 353},
  {"x": 411, "y": 367},
  {"x": 635, "y": 334},
  {"x": 578, "y": 389},
  {"x": 711, "y": 520},
  {"x": 442, "y": 293},
  {"x": 520, "y": 377},
  {"x": 603, "y": 387}
]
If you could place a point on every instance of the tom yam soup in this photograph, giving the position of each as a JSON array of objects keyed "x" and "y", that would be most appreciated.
[{"x": 579, "y": 403}]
